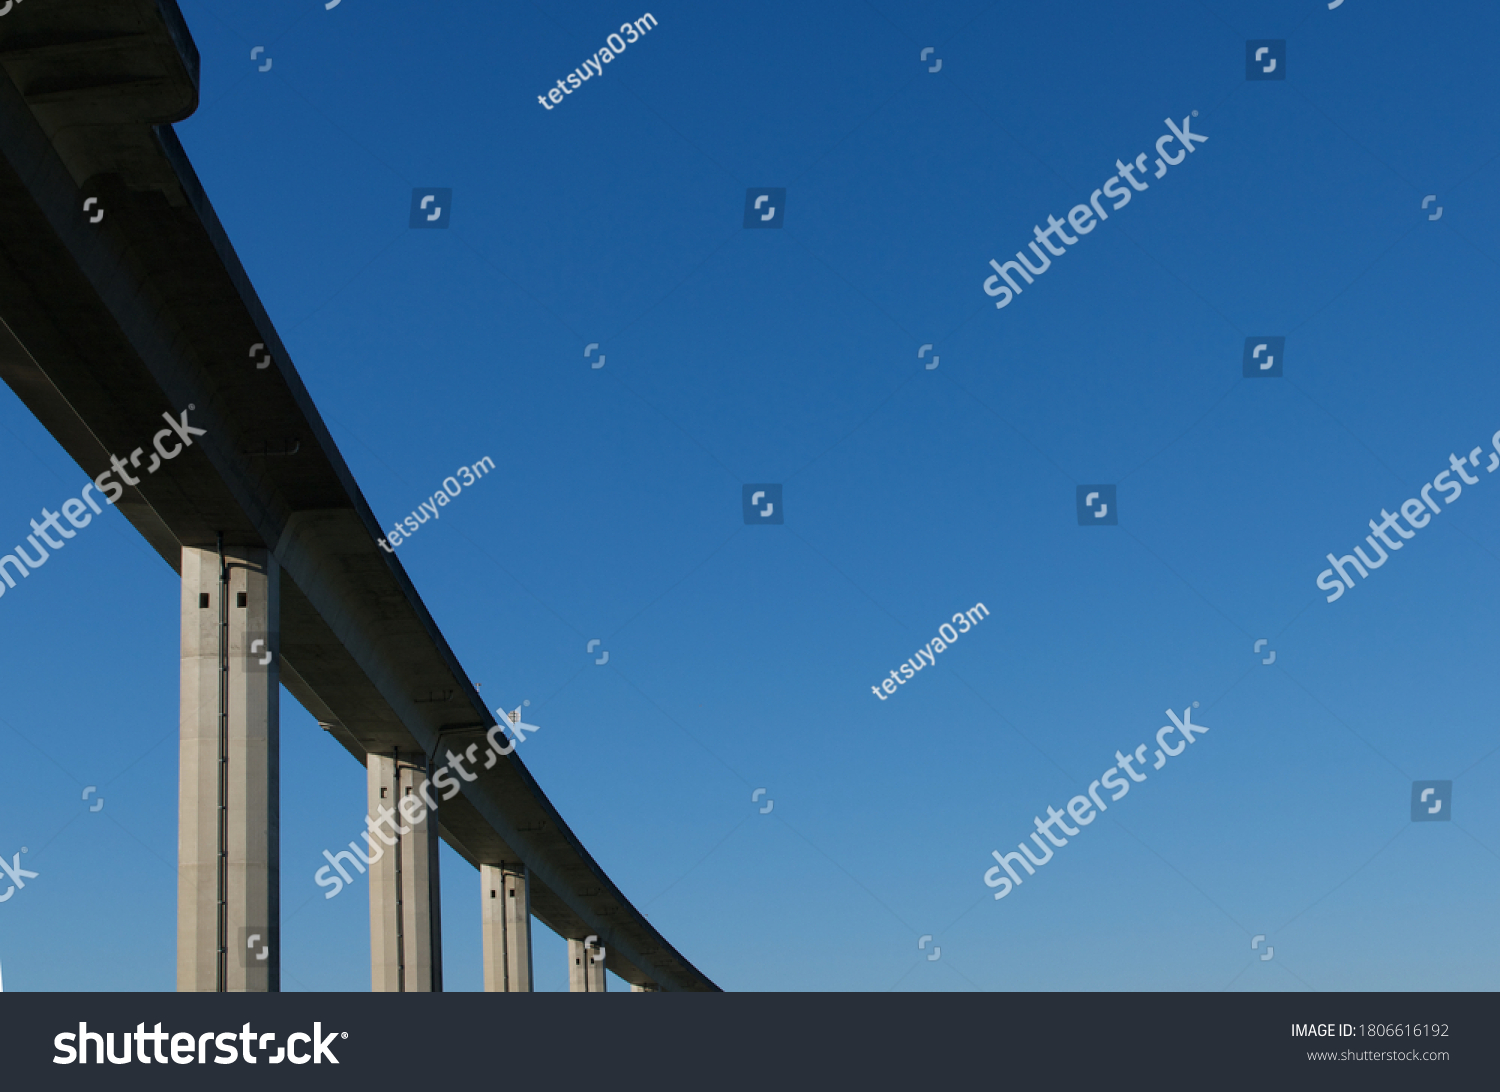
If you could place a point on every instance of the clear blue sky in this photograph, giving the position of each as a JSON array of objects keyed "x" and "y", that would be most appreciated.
[{"x": 742, "y": 657}]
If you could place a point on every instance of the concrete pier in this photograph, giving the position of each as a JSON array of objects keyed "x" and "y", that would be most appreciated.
[
  {"x": 228, "y": 836},
  {"x": 505, "y": 909},
  {"x": 406, "y": 950},
  {"x": 585, "y": 972}
]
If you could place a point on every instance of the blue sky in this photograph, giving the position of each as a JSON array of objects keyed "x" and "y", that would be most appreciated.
[{"x": 742, "y": 657}]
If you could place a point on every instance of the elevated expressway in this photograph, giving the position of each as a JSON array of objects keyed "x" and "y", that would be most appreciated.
[{"x": 107, "y": 324}]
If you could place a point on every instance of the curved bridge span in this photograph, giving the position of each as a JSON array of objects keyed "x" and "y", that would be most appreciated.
[{"x": 109, "y": 322}]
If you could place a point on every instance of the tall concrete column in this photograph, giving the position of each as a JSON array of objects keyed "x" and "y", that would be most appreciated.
[
  {"x": 406, "y": 949},
  {"x": 505, "y": 891},
  {"x": 585, "y": 973},
  {"x": 228, "y": 808}
]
